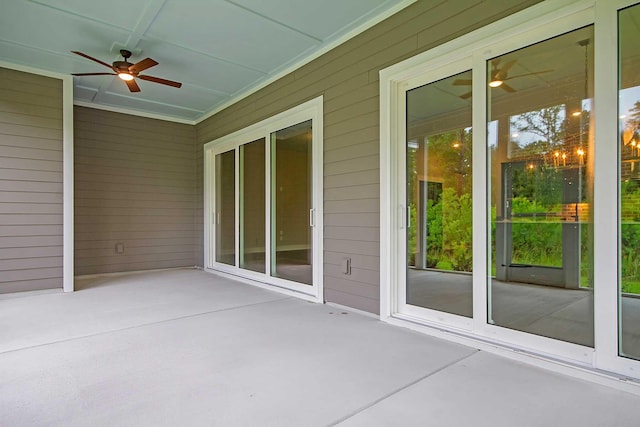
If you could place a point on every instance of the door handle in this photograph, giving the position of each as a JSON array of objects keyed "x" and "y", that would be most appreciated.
[{"x": 312, "y": 217}]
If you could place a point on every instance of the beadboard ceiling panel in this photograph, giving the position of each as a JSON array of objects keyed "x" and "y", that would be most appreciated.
[{"x": 219, "y": 49}]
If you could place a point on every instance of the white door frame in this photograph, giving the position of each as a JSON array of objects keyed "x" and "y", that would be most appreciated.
[
  {"x": 537, "y": 23},
  {"x": 310, "y": 110}
]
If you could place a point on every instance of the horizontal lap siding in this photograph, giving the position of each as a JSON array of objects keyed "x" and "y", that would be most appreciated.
[
  {"x": 347, "y": 76},
  {"x": 135, "y": 185},
  {"x": 30, "y": 182}
]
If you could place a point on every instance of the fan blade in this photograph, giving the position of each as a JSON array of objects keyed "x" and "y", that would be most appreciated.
[
  {"x": 502, "y": 73},
  {"x": 161, "y": 81},
  {"x": 507, "y": 88},
  {"x": 529, "y": 74},
  {"x": 462, "y": 82},
  {"x": 466, "y": 95},
  {"x": 506, "y": 67},
  {"x": 142, "y": 65},
  {"x": 84, "y": 55},
  {"x": 94, "y": 74},
  {"x": 133, "y": 86}
]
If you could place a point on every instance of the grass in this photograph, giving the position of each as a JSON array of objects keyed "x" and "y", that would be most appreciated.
[{"x": 631, "y": 286}]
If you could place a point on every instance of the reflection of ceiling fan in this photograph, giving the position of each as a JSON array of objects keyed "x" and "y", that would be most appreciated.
[
  {"x": 498, "y": 77},
  {"x": 128, "y": 71}
]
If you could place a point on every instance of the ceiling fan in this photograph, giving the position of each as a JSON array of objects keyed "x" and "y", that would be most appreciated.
[
  {"x": 128, "y": 71},
  {"x": 498, "y": 77}
]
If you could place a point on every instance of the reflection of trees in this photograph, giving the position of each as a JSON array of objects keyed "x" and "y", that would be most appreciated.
[
  {"x": 562, "y": 142},
  {"x": 631, "y": 135},
  {"x": 634, "y": 117},
  {"x": 444, "y": 159},
  {"x": 548, "y": 123},
  {"x": 542, "y": 185},
  {"x": 630, "y": 202},
  {"x": 450, "y": 158}
]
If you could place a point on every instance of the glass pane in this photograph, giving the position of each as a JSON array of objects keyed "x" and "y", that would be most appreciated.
[
  {"x": 291, "y": 255},
  {"x": 439, "y": 252},
  {"x": 540, "y": 148},
  {"x": 252, "y": 206},
  {"x": 226, "y": 208},
  {"x": 629, "y": 168}
]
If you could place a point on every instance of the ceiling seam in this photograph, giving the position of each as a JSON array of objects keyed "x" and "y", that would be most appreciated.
[
  {"x": 226, "y": 61},
  {"x": 77, "y": 15},
  {"x": 274, "y": 21},
  {"x": 148, "y": 15},
  {"x": 135, "y": 31}
]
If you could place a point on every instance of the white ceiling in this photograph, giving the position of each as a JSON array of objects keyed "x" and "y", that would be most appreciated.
[{"x": 219, "y": 49}]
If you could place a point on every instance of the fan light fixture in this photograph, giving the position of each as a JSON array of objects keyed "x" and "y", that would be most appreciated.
[
  {"x": 125, "y": 76},
  {"x": 495, "y": 83}
]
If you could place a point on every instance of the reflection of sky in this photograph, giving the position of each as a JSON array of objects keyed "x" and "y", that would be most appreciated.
[
  {"x": 492, "y": 134},
  {"x": 525, "y": 138},
  {"x": 626, "y": 99}
]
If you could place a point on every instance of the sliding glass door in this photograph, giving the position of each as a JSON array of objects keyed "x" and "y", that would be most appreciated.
[
  {"x": 540, "y": 156},
  {"x": 252, "y": 206},
  {"x": 629, "y": 188},
  {"x": 438, "y": 196},
  {"x": 225, "y": 217},
  {"x": 510, "y": 185},
  {"x": 265, "y": 198},
  {"x": 291, "y": 212}
]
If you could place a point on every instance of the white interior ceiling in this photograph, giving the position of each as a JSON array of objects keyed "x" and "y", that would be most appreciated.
[{"x": 219, "y": 49}]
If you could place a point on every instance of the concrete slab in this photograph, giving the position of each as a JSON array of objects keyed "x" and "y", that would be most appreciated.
[
  {"x": 275, "y": 363},
  {"x": 109, "y": 303},
  {"x": 184, "y": 347},
  {"x": 487, "y": 390}
]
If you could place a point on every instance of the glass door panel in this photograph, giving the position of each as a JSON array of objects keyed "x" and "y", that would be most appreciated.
[
  {"x": 540, "y": 152},
  {"x": 629, "y": 169},
  {"x": 534, "y": 208},
  {"x": 252, "y": 206},
  {"x": 439, "y": 215},
  {"x": 291, "y": 192},
  {"x": 225, "y": 202}
]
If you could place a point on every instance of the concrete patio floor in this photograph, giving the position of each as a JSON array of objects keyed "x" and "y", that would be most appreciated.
[{"x": 183, "y": 347}]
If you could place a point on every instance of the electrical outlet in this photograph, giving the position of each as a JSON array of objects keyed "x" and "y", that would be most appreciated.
[{"x": 119, "y": 248}]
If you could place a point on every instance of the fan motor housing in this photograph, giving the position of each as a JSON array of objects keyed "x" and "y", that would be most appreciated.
[{"x": 121, "y": 66}]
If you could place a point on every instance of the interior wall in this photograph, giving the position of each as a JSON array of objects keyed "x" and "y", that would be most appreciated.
[
  {"x": 30, "y": 181},
  {"x": 135, "y": 186},
  {"x": 347, "y": 76}
]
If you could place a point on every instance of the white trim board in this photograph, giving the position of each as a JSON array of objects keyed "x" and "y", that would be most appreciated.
[
  {"x": 131, "y": 112},
  {"x": 68, "y": 183}
]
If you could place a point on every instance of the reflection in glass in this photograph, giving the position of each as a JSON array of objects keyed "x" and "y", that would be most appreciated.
[
  {"x": 439, "y": 216},
  {"x": 629, "y": 169},
  {"x": 225, "y": 208},
  {"x": 540, "y": 150},
  {"x": 252, "y": 206},
  {"x": 291, "y": 255}
]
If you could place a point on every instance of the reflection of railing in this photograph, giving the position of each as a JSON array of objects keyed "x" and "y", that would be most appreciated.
[
  {"x": 545, "y": 215},
  {"x": 575, "y": 212}
]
